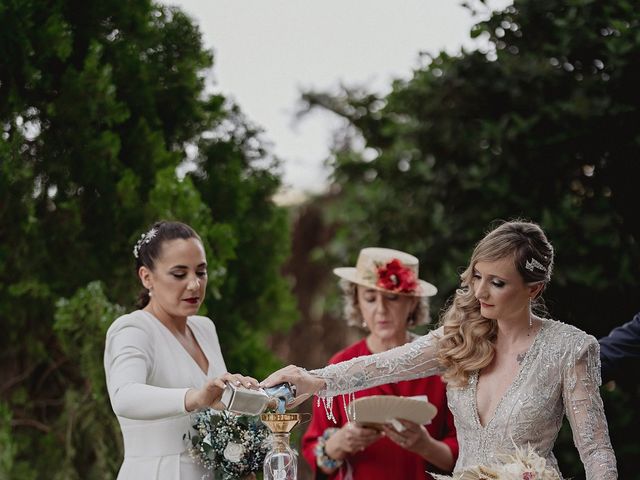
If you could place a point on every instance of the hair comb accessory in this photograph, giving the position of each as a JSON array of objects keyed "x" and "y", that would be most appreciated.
[
  {"x": 533, "y": 263},
  {"x": 144, "y": 238}
]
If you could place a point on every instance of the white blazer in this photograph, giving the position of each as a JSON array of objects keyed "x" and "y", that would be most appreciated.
[{"x": 148, "y": 374}]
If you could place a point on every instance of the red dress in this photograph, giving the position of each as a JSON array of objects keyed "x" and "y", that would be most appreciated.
[{"x": 384, "y": 459}]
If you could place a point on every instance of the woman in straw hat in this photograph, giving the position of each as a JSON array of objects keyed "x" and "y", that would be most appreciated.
[
  {"x": 511, "y": 375},
  {"x": 383, "y": 296}
]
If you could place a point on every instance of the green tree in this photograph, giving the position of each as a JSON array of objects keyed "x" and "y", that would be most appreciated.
[
  {"x": 542, "y": 125},
  {"x": 99, "y": 103}
]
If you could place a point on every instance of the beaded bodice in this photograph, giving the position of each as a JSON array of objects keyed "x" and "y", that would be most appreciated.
[{"x": 559, "y": 375}]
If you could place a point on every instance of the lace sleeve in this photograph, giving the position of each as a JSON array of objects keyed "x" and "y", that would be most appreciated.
[
  {"x": 585, "y": 411},
  {"x": 412, "y": 360}
]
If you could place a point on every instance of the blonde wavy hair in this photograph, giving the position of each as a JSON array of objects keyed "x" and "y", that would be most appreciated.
[{"x": 468, "y": 340}]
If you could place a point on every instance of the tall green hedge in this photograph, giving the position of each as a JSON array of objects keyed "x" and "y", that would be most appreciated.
[
  {"x": 100, "y": 101},
  {"x": 542, "y": 125}
]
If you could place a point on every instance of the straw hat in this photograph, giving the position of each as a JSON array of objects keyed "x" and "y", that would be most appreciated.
[{"x": 387, "y": 270}]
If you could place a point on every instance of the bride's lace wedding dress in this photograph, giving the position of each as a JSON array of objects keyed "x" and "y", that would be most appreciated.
[{"x": 559, "y": 375}]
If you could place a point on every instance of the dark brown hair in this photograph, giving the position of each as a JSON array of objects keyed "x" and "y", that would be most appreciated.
[{"x": 149, "y": 248}]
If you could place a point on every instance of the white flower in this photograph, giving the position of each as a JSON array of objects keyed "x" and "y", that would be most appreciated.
[
  {"x": 511, "y": 471},
  {"x": 233, "y": 452}
]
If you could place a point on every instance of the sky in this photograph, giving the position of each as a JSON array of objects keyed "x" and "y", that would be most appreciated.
[{"x": 267, "y": 51}]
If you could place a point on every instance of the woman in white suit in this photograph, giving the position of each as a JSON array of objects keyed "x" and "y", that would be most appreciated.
[{"x": 163, "y": 361}]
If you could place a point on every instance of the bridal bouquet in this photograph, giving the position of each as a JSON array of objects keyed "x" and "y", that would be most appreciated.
[
  {"x": 229, "y": 446},
  {"x": 526, "y": 464}
]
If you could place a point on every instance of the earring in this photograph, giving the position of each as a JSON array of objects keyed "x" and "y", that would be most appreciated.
[
  {"x": 150, "y": 293},
  {"x": 530, "y": 314},
  {"x": 364, "y": 325}
]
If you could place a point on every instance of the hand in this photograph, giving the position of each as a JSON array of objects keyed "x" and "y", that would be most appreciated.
[
  {"x": 413, "y": 437},
  {"x": 350, "y": 439},
  {"x": 211, "y": 392},
  {"x": 305, "y": 383}
]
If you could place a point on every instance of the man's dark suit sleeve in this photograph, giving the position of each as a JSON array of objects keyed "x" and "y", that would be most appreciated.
[{"x": 620, "y": 351}]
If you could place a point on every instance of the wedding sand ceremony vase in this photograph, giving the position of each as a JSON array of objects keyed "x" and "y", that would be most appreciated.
[{"x": 281, "y": 462}]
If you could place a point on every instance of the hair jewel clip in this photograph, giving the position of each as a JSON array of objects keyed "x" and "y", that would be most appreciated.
[
  {"x": 144, "y": 238},
  {"x": 533, "y": 263},
  {"x": 152, "y": 233}
]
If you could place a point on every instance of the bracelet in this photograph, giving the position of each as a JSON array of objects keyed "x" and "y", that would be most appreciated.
[{"x": 322, "y": 459}]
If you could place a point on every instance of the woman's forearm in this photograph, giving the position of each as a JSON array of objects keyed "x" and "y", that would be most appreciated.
[{"x": 438, "y": 453}]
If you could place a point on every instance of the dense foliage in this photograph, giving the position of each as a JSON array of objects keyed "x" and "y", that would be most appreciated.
[
  {"x": 543, "y": 125},
  {"x": 99, "y": 104}
]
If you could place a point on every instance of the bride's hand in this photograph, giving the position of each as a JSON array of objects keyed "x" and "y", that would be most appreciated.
[
  {"x": 211, "y": 392},
  {"x": 305, "y": 384}
]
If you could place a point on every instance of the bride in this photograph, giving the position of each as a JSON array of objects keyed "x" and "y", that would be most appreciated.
[{"x": 511, "y": 375}]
